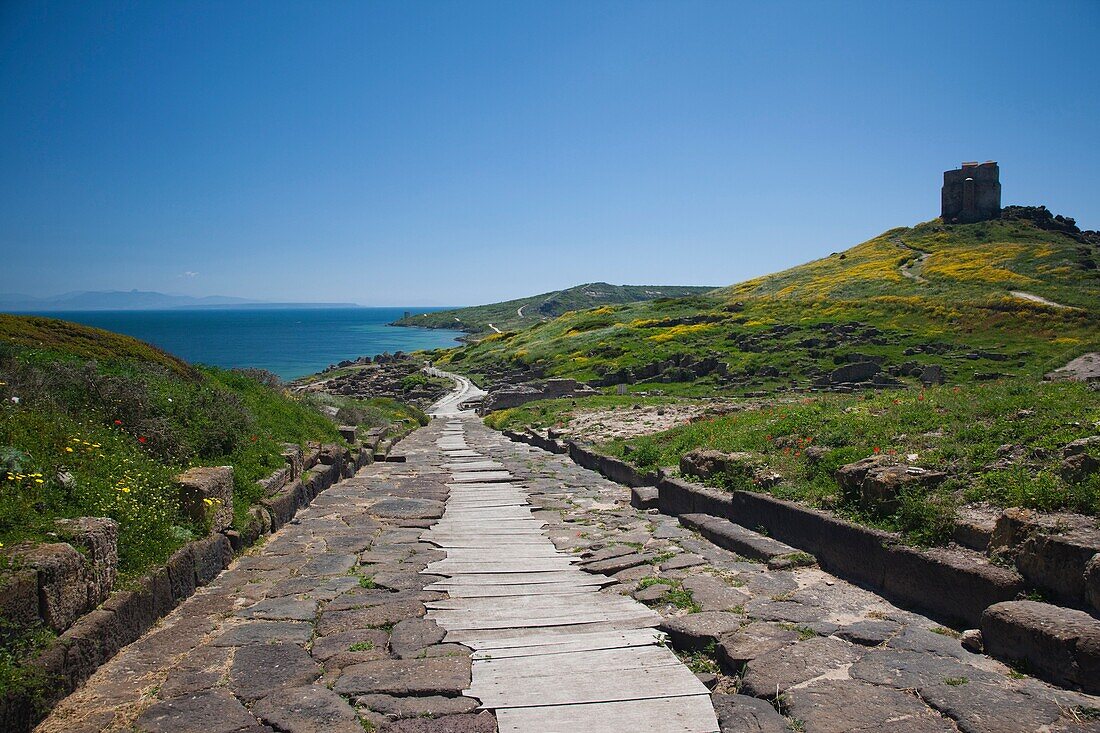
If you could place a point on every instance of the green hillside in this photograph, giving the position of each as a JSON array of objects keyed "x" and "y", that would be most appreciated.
[
  {"x": 516, "y": 314},
  {"x": 93, "y": 423},
  {"x": 953, "y": 296}
]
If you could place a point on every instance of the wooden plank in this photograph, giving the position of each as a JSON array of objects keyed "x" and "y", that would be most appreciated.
[
  {"x": 470, "y": 636},
  {"x": 463, "y": 621},
  {"x": 588, "y": 687},
  {"x": 686, "y": 714},
  {"x": 503, "y": 590},
  {"x": 536, "y": 644},
  {"x": 511, "y": 578},
  {"x": 572, "y": 662},
  {"x": 463, "y": 477}
]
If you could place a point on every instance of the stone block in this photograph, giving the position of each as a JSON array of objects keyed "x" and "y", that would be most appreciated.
[
  {"x": 1061, "y": 645},
  {"x": 644, "y": 497},
  {"x": 1092, "y": 582},
  {"x": 181, "y": 573},
  {"x": 277, "y": 480},
  {"x": 347, "y": 432},
  {"x": 952, "y": 585},
  {"x": 134, "y": 610},
  {"x": 64, "y": 578},
  {"x": 97, "y": 539},
  {"x": 292, "y": 454},
  {"x": 206, "y": 496},
  {"x": 19, "y": 596},
  {"x": 1058, "y": 563},
  {"x": 212, "y": 555}
]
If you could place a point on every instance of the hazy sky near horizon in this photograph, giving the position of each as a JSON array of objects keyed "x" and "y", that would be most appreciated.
[{"x": 447, "y": 153}]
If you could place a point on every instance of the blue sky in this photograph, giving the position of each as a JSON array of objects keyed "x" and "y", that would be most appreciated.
[{"x": 455, "y": 153}]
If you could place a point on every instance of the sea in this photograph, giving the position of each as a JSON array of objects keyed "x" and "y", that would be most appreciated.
[{"x": 290, "y": 342}]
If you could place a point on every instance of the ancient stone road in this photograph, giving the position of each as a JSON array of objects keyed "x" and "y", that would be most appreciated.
[{"x": 349, "y": 619}]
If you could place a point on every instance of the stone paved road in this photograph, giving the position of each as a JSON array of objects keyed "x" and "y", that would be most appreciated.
[
  {"x": 799, "y": 649},
  {"x": 323, "y": 627}
]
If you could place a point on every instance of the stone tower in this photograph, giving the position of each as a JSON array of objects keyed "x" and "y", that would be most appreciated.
[{"x": 971, "y": 193}]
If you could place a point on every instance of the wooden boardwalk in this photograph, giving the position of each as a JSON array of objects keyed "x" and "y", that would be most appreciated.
[{"x": 552, "y": 654}]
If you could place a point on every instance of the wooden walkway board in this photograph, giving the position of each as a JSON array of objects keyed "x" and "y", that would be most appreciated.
[
  {"x": 552, "y": 653},
  {"x": 661, "y": 715}
]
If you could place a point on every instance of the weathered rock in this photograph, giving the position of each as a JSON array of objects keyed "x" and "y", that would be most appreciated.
[
  {"x": 208, "y": 711},
  {"x": 703, "y": 463},
  {"x": 359, "y": 640},
  {"x": 848, "y": 706},
  {"x": 1078, "y": 467},
  {"x": 408, "y": 508},
  {"x": 883, "y": 484},
  {"x": 974, "y": 525},
  {"x": 410, "y": 636},
  {"x": 1058, "y": 644},
  {"x": 971, "y": 641},
  {"x": 281, "y": 609},
  {"x": 1092, "y": 582},
  {"x": 644, "y": 497},
  {"x": 850, "y": 476},
  {"x": 714, "y": 594},
  {"x": 308, "y": 709},
  {"x": 617, "y": 564},
  {"x": 869, "y": 632},
  {"x": 258, "y": 670},
  {"x": 482, "y": 722},
  {"x": 264, "y": 632},
  {"x": 19, "y": 596},
  {"x": 681, "y": 561},
  {"x": 97, "y": 538},
  {"x": 858, "y": 372},
  {"x": 975, "y": 699},
  {"x": 415, "y": 707},
  {"x": 699, "y": 630},
  {"x": 374, "y": 616},
  {"x": 744, "y": 714},
  {"x": 206, "y": 496},
  {"x": 63, "y": 578},
  {"x": 796, "y": 663},
  {"x": 751, "y": 641},
  {"x": 433, "y": 676}
]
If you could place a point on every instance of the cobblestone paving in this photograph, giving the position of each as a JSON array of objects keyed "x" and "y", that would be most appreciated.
[
  {"x": 322, "y": 628},
  {"x": 319, "y": 629}
]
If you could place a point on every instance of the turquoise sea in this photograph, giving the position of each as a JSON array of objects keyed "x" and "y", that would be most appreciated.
[{"x": 290, "y": 342}]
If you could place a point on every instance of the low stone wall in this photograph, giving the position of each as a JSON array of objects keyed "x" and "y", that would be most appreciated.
[
  {"x": 89, "y": 640},
  {"x": 952, "y": 587}
]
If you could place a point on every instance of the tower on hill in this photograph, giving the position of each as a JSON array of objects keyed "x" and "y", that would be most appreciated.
[{"x": 971, "y": 193}]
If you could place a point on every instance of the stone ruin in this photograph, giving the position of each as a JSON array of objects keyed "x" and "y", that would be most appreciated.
[{"x": 971, "y": 193}]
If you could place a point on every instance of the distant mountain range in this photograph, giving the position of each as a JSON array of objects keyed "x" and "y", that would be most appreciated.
[{"x": 104, "y": 300}]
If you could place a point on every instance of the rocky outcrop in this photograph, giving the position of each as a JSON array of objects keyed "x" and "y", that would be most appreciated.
[{"x": 514, "y": 395}]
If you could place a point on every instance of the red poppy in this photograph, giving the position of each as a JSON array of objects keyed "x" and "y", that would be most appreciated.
[
  {"x": 877, "y": 449},
  {"x": 118, "y": 422},
  {"x": 143, "y": 439},
  {"x": 921, "y": 396},
  {"x": 253, "y": 438}
]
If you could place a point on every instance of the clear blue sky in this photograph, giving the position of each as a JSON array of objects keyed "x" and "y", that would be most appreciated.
[{"x": 455, "y": 152}]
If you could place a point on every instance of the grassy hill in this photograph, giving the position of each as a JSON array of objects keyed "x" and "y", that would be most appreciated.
[
  {"x": 954, "y": 296},
  {"x": 93, "y": 423},
  {"x": 523, "y": 312}
]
